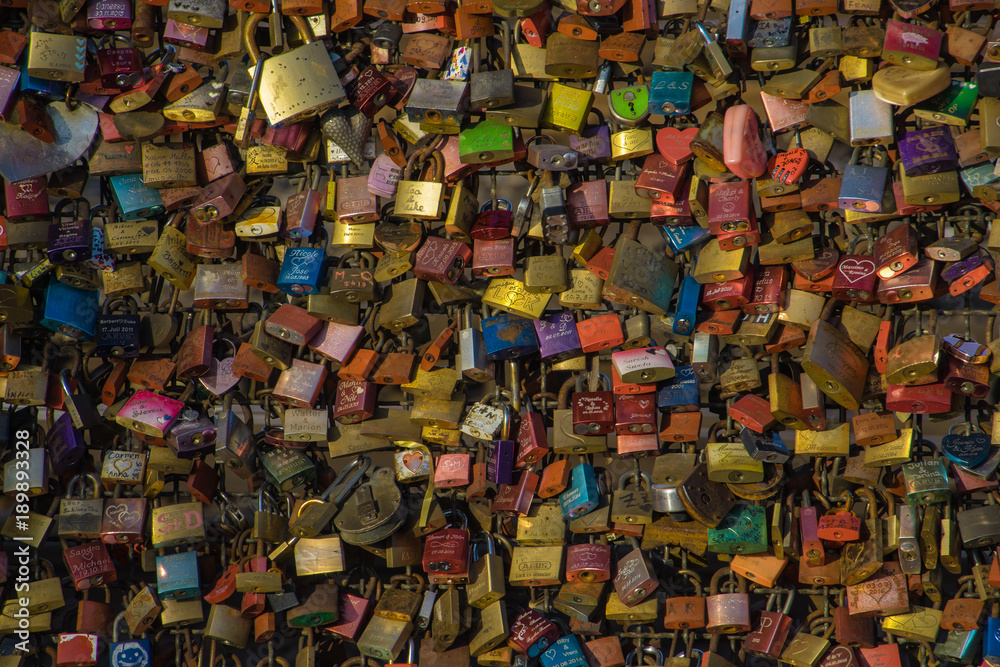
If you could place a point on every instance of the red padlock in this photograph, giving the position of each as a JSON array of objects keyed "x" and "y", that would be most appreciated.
[{"x": 588, "y": 563}]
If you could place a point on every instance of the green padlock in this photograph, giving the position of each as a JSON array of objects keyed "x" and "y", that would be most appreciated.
[
  {"x": 486, "y": 141},
  {"x": 742, "y": 531},
  {"x": 629, "y": 106}
]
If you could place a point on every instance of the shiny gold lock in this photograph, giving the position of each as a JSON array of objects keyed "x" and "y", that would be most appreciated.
[
  {"x": 360, "y": 237},
  {"x": 436, "y": 412},
  {"x": 127, "y": 278},
  {"x": 920, "y": 624},
  {"x": 567, "y": 108},
  {"x": 856, "y": 69},
  {"x": 421, "y": 199},
  {"x": 773, "y": 253},
  {"x": 584, "y": 290},
  {"x": 833, "y": 442},
  {"x": 171, "y": 259},
  {"x": 266, "y": 160},
  {"x": 535, "y": 566},
  {"x": 616, "y": 610},
  {"x": 542, "y": 526},
  {"x": 892, "y": 453},
  {"x": 510, "y": 295},
  {"x": 930, "y": 189},
  {"x": 792, "y": 85},
  {"x": 490, "y": 631},
  {"x": 629, "y": 144},
  {"x": 729, "y": 462},
  {"x": 715, "y": 265}
]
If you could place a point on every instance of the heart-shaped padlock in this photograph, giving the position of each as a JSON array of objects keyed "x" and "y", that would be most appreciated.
[{"x": 675, "y": 144}]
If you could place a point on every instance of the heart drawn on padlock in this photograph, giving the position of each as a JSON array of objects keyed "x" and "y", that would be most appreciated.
[
  {"x": 413, "y": 461},
  {"x": 220, "y": 377},
  {"x": 123, "y": 465},
  {"x": 121, "y": 516},
  {"x": 856, "y": 269},
  {"x": 674, "y": 144}
]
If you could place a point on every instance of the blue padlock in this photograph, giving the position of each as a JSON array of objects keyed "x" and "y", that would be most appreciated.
[
  {"x": 508, "y": 336},
  {"x": 302, "y": 270},
  {"x": 683, "y": 238},
  {"x": 991, "y": 640},
  {"x": 565, "y": 652},
  {"x": 129, "y": 653},
  {"x": 967, "y": 450},
  {"x": 687, "y": 306},
  {"x": 70, "y": 310},
  {"x": 581, "y": 496},
  {"x": 680, "y": 393},
  {"x": 670, "y": 93},
  {"x": 177, "y": 576},
  {"x": 135, "y": 201},
  {"x": 53, "y": 90}
]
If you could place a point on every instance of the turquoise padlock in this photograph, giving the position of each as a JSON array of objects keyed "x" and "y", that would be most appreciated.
[
  {"x": 177, "y": 576},
  {"x": 135, "y": 201},
  {"x": 670, "y": 93},
  {"x": 581, "y": 496},
  {"x": 742, "y": 531}
]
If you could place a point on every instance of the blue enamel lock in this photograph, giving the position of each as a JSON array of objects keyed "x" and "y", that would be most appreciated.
[
  {"x": 54, "y": 90},
  {"x": 967, "y": 450},
  {"x": 682, "y": 238},
  {"x": 508, "y": 336},
  {"x": 70, "y": 310},
  {"x": 565, "y": 652},
  {"x": 130, "y": 653},
  {"x": 582, "y": 496},
  {"x": 670, "y": 93},
  {"x": 135, "y": 201},
  {"x": 680, "y": 393},
  {"x": 302, "y": 270},
  {"x": 991, "y": 640},
  {"x": 687, "y": 306},
  {"x": 177, "y": 576},
  {"x": 959, "y": 646}
]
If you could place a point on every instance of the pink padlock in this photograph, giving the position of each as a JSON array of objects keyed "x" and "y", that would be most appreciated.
[
  {"x": 742, "y": 149},
  {"x": 451, "y": 470}
]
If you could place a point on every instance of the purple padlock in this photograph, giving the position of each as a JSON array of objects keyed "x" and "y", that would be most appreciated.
[
  {"x": 69, "y": 240},
  {"x": 593, "y": 144},
  {"x": 955, "y": 270},
  {"x": 928, "y": 151},
  {"x": 109, "y": 14},
  {"x": 557, "y": 336},
  {"x": 65, "y": 445},
  {"x": 500, "y": 461}
]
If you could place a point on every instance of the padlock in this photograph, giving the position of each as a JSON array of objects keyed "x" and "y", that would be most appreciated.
[
  {"x": 768, "y": 638},
  {"x": 278, "y": 107},
  {"x": 727, "y": 611}
]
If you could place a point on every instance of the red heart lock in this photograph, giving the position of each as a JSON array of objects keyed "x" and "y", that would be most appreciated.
[
  {"x": 674, "y": 144},
  {"x": 788, "y": 167}
]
